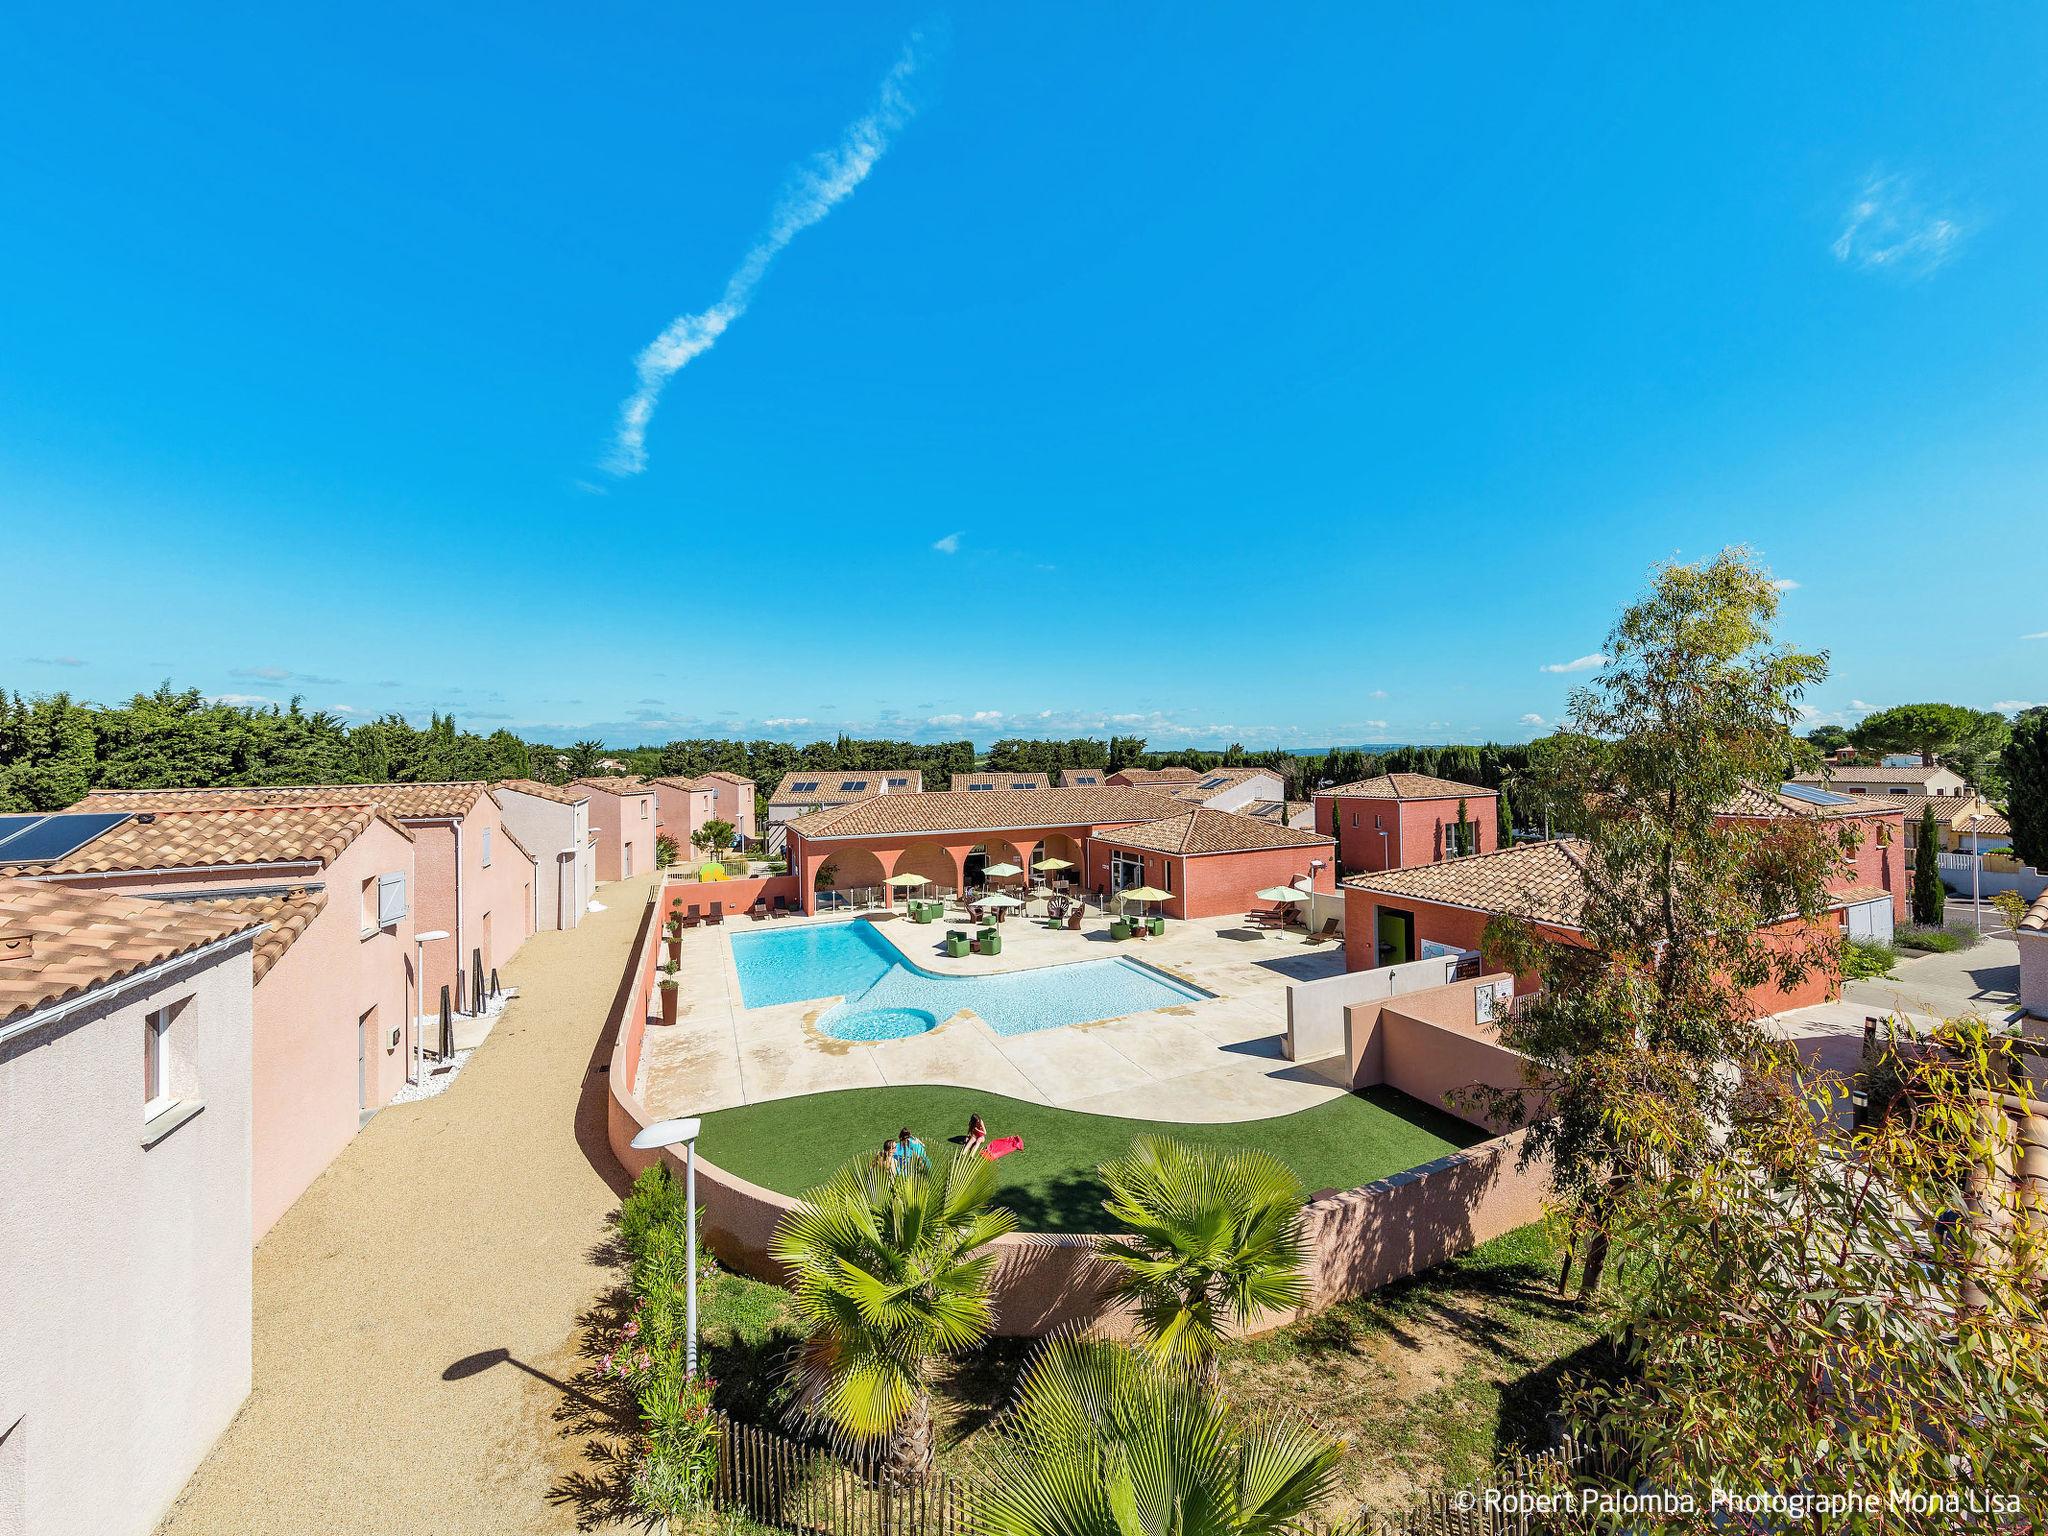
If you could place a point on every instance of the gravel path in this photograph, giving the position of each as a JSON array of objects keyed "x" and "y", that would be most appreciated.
[{"x": 473, "y": 1221}]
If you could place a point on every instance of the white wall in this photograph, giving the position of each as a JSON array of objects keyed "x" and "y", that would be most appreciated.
[
  {"x": 545, "y": 828},
  {"x": 124, "y": 1270},
  {"x": 1315, "y": 1009}
]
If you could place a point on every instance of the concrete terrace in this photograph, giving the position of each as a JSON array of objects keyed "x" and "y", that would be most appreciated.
[{"x": 1215, "y": 1060}]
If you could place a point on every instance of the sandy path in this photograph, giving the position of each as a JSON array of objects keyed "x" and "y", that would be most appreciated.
[{"x": 466, "y": 1223}]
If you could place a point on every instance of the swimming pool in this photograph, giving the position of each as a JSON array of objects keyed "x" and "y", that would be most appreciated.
[{"x": 888, "y": 998}]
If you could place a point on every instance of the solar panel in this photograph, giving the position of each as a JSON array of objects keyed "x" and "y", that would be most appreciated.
[
  {"x": 9, "y": 825},
  {"x": 52, "y": 837},
  {"x": 1813, "y": 796}
]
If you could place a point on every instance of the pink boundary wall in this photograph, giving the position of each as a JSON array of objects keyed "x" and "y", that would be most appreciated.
[{"x": 1359, "y": 1240}]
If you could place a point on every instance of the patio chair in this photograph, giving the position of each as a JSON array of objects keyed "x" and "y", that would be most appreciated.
[
  {"x": 1119, "y": 930},
  {"x": 1328, "y": 931},
  {"x": 759, "y": 910},
  {"x": 1158, "y": 927},
  {"x": 1074, "y": 917},
  {"x": 781, "y": 907},
  {"x": 692, "y": 917},
  {"x": 956, "y": 946},
  {"x": 988, "y": 942},
  {"x": 717, "y": 914}
]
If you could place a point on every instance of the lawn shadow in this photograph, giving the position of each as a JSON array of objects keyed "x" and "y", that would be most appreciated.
[
  {"x": 1071, "y": 1202},
  {"x": 1531, "y": 1404}
]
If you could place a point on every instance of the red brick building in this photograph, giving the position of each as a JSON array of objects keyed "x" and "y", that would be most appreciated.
[{"x": 1400, "y": 820}]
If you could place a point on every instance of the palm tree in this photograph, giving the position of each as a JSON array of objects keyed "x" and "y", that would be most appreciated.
[
  {"x": 890, "y": 1272},
  {"x": 1104, "y": 1441},
  {"x": 1212, "y": 1237}
]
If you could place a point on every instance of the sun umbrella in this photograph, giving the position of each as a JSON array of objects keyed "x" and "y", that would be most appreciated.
[
  {"x": 1144, "y": 893},
  {"x": 1001, "y": 871},
  {"x": 1054, "y": 864},
  {"x": 997, "y": 900},
  {"x": 1283, "y": 893},
  {"x": 907, "y": 882}
]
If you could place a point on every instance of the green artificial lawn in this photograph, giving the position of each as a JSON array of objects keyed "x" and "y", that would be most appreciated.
[{"x": 794, "y": 1144}]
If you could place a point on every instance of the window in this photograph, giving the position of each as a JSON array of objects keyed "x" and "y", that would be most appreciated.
[
  {"x": 487, "y": 847},
  {"x": 1460, "y": 838},
  {"x": 1166, "y": 874},
  {"x": 156, "y": 1064},
  {"x": 1125, "y": 869},
  {"x": 643, "y": 807},
  {"x": 899, "y": 783},
  {"x": 973, "y": 787},
  {"x": 1022, "y": 784},
  {"x": 803, "y": 786},
  {"x": 1217, "y": 782},
  {"x": 1354, "y": 819},
  {"x": 853, "y": 786},
  {"x": 390, "y": 900}
]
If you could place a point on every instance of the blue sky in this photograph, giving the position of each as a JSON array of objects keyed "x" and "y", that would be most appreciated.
[{"x": 1208, "y": 376}]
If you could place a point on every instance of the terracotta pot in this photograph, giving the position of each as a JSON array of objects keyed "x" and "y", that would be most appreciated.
[
  {"x": 675, "y": 949},
  {"x": 671, "y": 1001}
]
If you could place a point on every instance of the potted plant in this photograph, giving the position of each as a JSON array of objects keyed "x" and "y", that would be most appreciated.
[
  {"x": 672, "y": 930},
  {"x": 671, "y": 993}
]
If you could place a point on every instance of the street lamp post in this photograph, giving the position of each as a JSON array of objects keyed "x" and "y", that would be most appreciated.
[
  {"x": 667, "y": 1133},
  {"x": 420, "y": 941},
  {"x": 1977, "y": 869}
]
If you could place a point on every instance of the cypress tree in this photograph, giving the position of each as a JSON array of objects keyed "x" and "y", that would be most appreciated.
[{"x": 1929, "y": 895}]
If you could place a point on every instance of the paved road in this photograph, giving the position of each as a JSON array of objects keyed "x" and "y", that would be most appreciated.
[{"x": 471, "y": 1222}]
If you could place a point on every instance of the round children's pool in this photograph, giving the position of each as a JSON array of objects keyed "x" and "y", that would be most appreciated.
[{"x": 878, "y": 1024}]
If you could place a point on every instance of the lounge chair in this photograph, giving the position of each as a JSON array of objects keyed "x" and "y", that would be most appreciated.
[
  {"x": 781, "y": 908},
  {"x": 717, "y": 914},
  {"x": 1329, "y": 931},
  {"x": 692, "y": 917},
  {"x": 759, "y": 910}
]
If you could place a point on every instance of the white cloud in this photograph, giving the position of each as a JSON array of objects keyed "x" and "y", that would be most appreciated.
[
  {"x": 949, "y": 545},
  {"x": 2012, "y": 706},
  {"x": 1784, "y": 584},
  {"x": 817, "y": 187},
  {"x": 947, "y": 720},
  {"x": 240, "y": 699},
  {"x": 1889, "y": 228},
  {"x": 1374, "y": 725},
  {"x": 1860, "y": 705},
  {"x": 1532, "y": 719},
  {"x": 263, "y": 674},
  {"x": 780, "y": 720},
  {"x": 343, "y": 709},
  {"x": 1377, "y": 693},
  {"x": 987, "y": 716},
  {"x": 2039, "y": 634},
  {"x": 57, "y": 661},
  {"x": 1577, "y": 664}
]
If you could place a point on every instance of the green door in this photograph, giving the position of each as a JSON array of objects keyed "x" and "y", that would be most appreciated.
[{"x": 1396, "y": 934}]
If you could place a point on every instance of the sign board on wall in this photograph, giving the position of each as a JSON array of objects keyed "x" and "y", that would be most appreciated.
[{"x": 1492, "y": 1000}]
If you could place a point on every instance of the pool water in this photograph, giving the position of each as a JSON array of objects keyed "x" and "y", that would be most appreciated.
[{"x": 888, "y": 998}]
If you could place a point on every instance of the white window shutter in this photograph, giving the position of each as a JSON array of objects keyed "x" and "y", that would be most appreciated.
[
  {"x": 487, "y": 847},
  {"x": 390, "y": 899}
]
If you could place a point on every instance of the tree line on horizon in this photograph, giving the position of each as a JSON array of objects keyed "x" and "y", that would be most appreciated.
[{"x": 54, "y": 749}]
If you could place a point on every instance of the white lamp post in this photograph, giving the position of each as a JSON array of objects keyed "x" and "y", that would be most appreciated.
[
  {"x": 667, "y": 1133},
  {"x": 420, "y": 941},
  {"x": 1977, "y": 869}
]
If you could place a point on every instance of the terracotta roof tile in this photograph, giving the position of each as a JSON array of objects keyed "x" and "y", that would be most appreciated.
[
  {"x": 1850, "y": 773},
  {"x": 1144, "y": 777},
  {"x": 832, "y": 786},
  {"x": 1543, "y": 882},
  {"x": 455, "y": 798},
  {"x": 1408, "y": 786},
  {"x": 622, "y": 786},
  {"x": 995, "y": 810},
  {"x": 730, "y": 778},
  {"x": 2036, "y": 920},
  {"x": 1205, "y": 831},
  {"x": 185, "y": 839},
  {"x": 561, "y": 794},
  {"x": 1082, "y": 778},
  {"x": 79, "y": 940},
  {"x": 983, "y": 782},
  {"x": 287, "y": 912}
]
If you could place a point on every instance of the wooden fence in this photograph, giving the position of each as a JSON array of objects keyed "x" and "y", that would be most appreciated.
[{"x": 774, "y": 1481}]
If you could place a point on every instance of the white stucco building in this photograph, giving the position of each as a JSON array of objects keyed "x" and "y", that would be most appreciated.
[{"x": 124, "y": 1201}]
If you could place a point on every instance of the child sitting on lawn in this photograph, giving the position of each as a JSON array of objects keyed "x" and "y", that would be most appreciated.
[
  {"x": 889, "y": 1160},
  {"x": 977, "y": 1135},
  {"x": 909, "y": 1152}
]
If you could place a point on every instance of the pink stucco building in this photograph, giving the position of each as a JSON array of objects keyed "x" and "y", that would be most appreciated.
[
  {"x": 335, "y": 996},
  {"x": 1400, "y": 820},
  {"x": 622, "y": 819},
  {"x": 553, "y": 820},
  {"x": 473, "y": 878},
  {"x": 125, "y": 1087}
]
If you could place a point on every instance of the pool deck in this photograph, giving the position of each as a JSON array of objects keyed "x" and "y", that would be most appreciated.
[{"x": 1214, "y": 1060}]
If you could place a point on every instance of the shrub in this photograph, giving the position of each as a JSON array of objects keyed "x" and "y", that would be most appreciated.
[
  {"x": 664, "y": 849},
  {"x": 679, "y": 1456},
  {"x": 1943, "y": 941},
  {"x": 1867, "y": 959}
]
